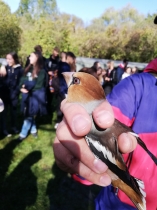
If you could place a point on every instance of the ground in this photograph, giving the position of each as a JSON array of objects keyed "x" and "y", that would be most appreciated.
[{"x": 30, "y": 179}]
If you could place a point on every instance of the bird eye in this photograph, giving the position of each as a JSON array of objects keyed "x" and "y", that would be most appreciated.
[{"x": 76, "y": 81}]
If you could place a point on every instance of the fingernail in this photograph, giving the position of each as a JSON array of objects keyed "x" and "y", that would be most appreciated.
[
  {"x": 100, "y": 166},
  {"x": 79, "y": 123},
  {"x": 104, "y": 117},
  {"x": 105, "y": 180}
]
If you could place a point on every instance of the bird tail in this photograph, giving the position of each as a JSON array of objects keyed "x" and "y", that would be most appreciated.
[
  {"x": 136, "y": 194},
  {"x": 143, "y": 193},
  {"x": 142, "y": 144}
]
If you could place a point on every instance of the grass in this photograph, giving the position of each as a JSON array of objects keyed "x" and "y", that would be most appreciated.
[{"x": 30, "y": 179}]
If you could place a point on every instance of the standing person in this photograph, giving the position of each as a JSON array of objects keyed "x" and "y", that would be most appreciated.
[
  {"x": 51, "y": 67},
  {"x": 120, "y": 70},
  {"x": 71, "y": 60},
  {"x": 33, "y": 91},
  {"x": 100, "y": 75},
  {"x": 127, "y": 72},
  {"x": 9, "y": 92},
  {"x": 134, "y": 70},
  {"x": 68, "y": 61},
  {"x": 38, "y": 49},
  {"x": 109, "y": 82},
  {"x": 96, "y": 65}
]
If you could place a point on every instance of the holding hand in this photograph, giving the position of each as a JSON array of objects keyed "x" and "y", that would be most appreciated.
[{"x": 72, "y": 152}]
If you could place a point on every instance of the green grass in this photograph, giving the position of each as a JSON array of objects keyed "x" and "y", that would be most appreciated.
[{"x": 30, "y": 179}]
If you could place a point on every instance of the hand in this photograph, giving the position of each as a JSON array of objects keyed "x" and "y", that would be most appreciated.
[
  {"x": 3, "y": 71},
  {"x": 70, "y": 149},
  {"x": 24, "y": 90},
  {"x": 50, "y": 73},
  {"x": 107, "y": 79}
]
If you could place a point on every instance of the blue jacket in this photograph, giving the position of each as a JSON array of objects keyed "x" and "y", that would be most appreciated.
[
  {"x": 34, "y": 102},
  {"x": 118, "y": 75},
  {"x": 63, "y": 67},
  {"x": 10, "y": 84}
]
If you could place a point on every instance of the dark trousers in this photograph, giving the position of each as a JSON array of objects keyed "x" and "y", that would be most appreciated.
[
  {"x": 4, "y": 117},
  {"x": 49, "y": 101}
]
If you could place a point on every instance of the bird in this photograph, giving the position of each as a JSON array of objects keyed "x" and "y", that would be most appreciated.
[{"x": 84, "y": 89}]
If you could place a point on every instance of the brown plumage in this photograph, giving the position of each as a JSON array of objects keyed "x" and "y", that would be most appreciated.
[{"x": 84, "y": 89}]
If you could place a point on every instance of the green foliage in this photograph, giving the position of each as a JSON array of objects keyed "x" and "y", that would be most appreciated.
[
  {"x": 36, "y": 8},
  {"x": 114, "y": 35},
  {"x": 9, "y": 30}
]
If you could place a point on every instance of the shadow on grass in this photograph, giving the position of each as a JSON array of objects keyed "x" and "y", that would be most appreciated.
[
  {"x": 66, "y": 194},
  {"x": 18, "y": 190}
]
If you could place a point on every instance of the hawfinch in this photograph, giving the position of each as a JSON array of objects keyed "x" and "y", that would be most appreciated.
[{"x": 85, "y": 90}]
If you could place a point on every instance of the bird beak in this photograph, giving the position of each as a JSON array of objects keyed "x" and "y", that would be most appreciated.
[
  {"x": 1, "y": 105},
  {"x": 68, "y": 76}
]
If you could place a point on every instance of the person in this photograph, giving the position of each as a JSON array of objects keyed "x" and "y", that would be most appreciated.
[
  {"x": 120, "y": 70},
  {"x": 91, "y": 71},
  {"x": 134, "y": 70},
  {"x": 96, "y": 65},
  {"x": 51, "y": 67},
  {"x": 68, "y": 59},
  {"x": 33, "y": 89},
  {"x": 130, "y": 106},
  {"x": 100, "y": 75},
  {"x": 71, "y": 60},
  {"x": 109, "y": 81},
  {"x": 38, "y": 49},
  {"x": 127, "y": 72},
  {"x": 9, "y": 92}
]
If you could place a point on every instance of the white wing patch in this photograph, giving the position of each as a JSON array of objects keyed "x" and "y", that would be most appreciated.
[{"x": 107, "y": 154}]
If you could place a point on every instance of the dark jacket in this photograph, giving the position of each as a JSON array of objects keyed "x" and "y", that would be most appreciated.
[
  {"x": 34, "y": 102},
  {"x": 119, "y": 72},
  {"x": 112, "y": 76},
  {"x": 52, "y": 64},
  {"x": 9, "y": 91},
  {"x": 63, "y": 67}
]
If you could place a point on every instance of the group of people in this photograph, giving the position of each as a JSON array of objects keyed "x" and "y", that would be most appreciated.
[
  {"x": 38, "y": 82},
  {"x": 41, "y": 79},
  {"x": 110, "y": 75}
]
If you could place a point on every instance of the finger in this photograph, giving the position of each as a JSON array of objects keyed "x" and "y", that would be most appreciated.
[
  {"x": 67, "y": 162},
  {"x": 77, "y": 118},
  {"x": 103, "y": 115},
  {"x": 127, "y": 142},
  {"x": 79, "y": 148}
]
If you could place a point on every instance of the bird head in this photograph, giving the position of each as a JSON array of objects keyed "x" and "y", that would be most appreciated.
[{"x": 83, "y": 88}]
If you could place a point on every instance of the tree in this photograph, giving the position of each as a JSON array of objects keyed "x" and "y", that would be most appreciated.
[
  {"x": 9, "y": 30},
  {"x": 36, "y": 8}
]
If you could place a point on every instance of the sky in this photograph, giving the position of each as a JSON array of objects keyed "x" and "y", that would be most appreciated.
[{"x": 90, "y": 9}]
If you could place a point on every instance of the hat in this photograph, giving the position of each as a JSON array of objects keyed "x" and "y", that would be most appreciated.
[
  {"x": 155, "y": 20},
  {"x": 1, "y": 105}
]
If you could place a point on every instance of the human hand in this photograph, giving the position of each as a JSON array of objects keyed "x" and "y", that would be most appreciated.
[
  {"x": 3, "y": 71},
  {"x": 24, "y": 90},
  {"x": 50, "y": 73},
  {"x": 72, "y": 153},
  {"x": 107, "y": 79}
]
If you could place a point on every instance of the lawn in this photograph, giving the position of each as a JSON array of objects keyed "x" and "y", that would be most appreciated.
[{"x": 30, "y": 179}]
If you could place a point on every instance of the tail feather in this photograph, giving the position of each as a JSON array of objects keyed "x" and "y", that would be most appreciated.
[{"x": 137, "y": 198}]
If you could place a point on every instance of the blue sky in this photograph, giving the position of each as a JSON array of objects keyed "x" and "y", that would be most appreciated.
[{"x": 89, "y": 9}]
